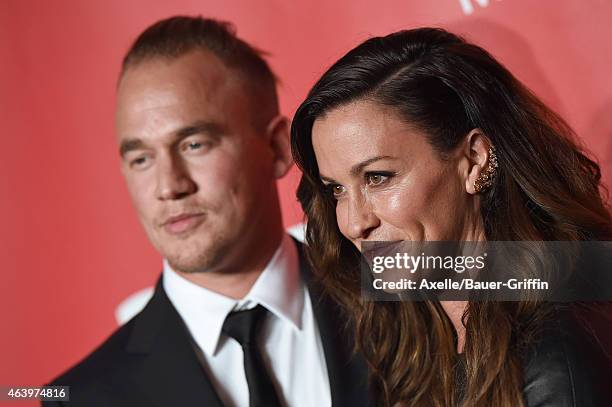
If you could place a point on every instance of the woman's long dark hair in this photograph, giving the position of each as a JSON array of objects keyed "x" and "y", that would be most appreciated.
[{"x": 546, "y": 189}]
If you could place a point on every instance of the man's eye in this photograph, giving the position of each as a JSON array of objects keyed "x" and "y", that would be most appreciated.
[
  {"x": 376, "y": 179},
  {"x": 138, "y": 162},
  {"x": 195, "y": 146}
]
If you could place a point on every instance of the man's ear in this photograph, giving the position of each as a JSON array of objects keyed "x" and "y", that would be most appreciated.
[
  {"x": 476, "y": 149},
  {"x": 278, "y": 135}
]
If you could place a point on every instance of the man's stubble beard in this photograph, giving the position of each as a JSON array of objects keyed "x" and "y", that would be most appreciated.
[{"x": 200, "y": 259}]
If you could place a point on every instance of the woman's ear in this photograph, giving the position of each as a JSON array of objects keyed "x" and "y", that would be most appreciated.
[
  {"x": 477, "y": 151},
  {"x": 277, "y": 133}
]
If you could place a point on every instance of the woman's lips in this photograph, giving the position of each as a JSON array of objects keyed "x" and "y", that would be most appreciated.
[{"x": 179, "y": 224}]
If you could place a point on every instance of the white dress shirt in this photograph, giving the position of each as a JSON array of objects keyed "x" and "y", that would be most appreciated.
[{"x": 290, "y": 340}]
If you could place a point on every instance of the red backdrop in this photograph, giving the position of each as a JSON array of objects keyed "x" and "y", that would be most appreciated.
[{"x": 71, "y": 248}]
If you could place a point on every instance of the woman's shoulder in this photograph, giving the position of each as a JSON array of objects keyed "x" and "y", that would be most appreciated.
[{"x": 569, "y": 365}]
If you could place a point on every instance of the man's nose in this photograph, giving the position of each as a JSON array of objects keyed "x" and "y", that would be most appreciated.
[
  {"x": 173, "y": 180},
  {"x": 361, "y": 218}
]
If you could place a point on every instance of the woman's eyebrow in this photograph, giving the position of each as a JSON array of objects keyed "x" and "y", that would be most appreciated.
[
  {"x": 327, "y": 179},
  {"x": 358, "y": 168}
]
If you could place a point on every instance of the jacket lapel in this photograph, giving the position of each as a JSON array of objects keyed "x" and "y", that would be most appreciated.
[
  {"x": 169, "y": 371},
  {"x": 348, "y": 374}
]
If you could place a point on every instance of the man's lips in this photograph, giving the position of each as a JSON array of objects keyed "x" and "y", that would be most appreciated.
[{"x": 182, "y": 223}]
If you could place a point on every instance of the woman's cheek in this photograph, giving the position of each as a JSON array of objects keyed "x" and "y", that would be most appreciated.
[
  {"x": 341, "y": 218},
  {"x": 392, "y": 203},
  {"x": 398, "y": 214}
]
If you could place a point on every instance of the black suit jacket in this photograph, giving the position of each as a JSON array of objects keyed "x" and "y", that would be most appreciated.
[{"x": 150, "y": 361}]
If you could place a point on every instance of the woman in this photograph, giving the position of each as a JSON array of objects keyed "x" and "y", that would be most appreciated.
[{"x": 423, "y": 136}]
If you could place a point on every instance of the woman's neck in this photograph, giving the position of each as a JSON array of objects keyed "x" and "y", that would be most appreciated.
[{"x": 455, "y": 311}]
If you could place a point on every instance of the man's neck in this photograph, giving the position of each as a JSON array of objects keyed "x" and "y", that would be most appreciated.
[{"x": 236, "y": 282}]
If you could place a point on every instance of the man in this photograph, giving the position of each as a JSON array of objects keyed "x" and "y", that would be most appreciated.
[{"x": 235, "y": 319}]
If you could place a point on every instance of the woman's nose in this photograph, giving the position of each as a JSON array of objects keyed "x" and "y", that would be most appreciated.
[{"x": 361, "y": 219}]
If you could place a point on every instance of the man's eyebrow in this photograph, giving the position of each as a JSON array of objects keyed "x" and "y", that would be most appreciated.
[
  {"x": 358, "y": 168},
  {"x": 200, "y": 126},
  {"x": 128, "y": 145}
]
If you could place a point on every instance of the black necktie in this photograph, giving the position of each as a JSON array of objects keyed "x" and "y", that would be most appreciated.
[{"x": 244, "y": 326}]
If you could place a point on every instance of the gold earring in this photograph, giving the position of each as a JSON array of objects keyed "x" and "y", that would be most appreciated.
[{"x": 486, "y": 177}]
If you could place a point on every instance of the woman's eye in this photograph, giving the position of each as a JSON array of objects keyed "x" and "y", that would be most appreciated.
[
  {"x": 376, "y": 179},
  {"x": 335, "y": 190}
]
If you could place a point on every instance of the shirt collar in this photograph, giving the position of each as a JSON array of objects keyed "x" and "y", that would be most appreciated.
[{"x": 278, "y": 288}]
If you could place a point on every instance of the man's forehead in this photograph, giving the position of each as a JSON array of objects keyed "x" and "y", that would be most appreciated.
[
  {"x": 195, "y": 79},
  {"x": 202, "y": 60},
  {"x": 192, "y": 74},
  {"x": 159, "y": 96}
]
